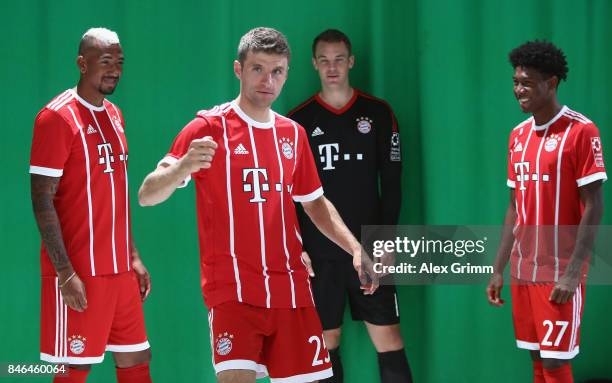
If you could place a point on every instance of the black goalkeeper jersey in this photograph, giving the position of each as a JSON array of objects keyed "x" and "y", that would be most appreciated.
[{"x": 357, "y": 152}]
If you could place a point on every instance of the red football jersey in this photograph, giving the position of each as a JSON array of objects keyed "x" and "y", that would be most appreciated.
[
  {"x": 85, "y": 146},
  {"x": 546, "y": 166},
  {"x": 250, "y": 247}
]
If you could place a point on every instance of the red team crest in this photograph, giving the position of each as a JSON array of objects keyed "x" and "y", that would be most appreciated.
[
  {"x": 77, "y": 344},
  {"x": 223, "y": 343}
]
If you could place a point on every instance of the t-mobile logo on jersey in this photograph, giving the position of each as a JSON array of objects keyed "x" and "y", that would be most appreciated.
[
  {"x": 330, "y": 153},
  {"x": 107, "y": 158},
  {"x": 522, "y": 171},
  {"x": 258, "y": 183}
]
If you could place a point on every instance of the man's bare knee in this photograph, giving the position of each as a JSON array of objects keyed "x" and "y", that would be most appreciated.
[
  {"x": 131, "y": 359},
  {"x": 332, "y": 338},
  {"x": 236, "y": 376}
]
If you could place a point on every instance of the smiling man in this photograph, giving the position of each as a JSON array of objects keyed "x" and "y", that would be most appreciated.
[
  {"x": 555, "y": 173},
  {"x": 250, "y": 165},
  {"x": 93, "y": 280}
]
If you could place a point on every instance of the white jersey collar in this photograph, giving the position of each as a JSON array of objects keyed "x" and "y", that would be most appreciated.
[
  {"x": 265, "y": 125},
  {"x": 85, "y": 103},
  {"x": 549, "y": 123}
]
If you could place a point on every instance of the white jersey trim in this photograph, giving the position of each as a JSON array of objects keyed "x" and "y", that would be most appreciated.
[
  {"x": 522, "y": 124},
  {"x": 257, "y": 124},
  {"x": 592, "y": 178},
  {"x": 552, "y": 121},
  {"x": 128, "y": 347},
  {"x": 577, "y": 116},
  {"x": 537, "y": 226},
  {"x": 309, "y": 197},
  {"x": 304, "y": 378},
  {"x": 577, "y": 315},
  {"x": 86, "y": 104},
  {"x": 262, "y": 236},
  {"x": 520, "y": 261},
  {"x": 230, "y": 207},
  {"x": 112, "y": 183},
  {"x": 565, "y": 355},
  {"x": 89, "y": 203},
  {"x": 282, "y": 203},
  {"x": 558, "y": 199},
  {"x": 511, "y": 184},
  {"x": 210, "y": 333},
  {"x": 523, "y": 189},
  {"x": 43, "y": 171},
  {"x": 127, "y": 191},
  {"x": 61, "y": 323},
  {"x": 169, "y": 160},
  {"x": 527, "y": 345},
  {"x": 60, "y": 100},
  {"x": 71, "y": 359},
  {"x": 57, "y": 337},
  {"x": 261, "y": 371}
]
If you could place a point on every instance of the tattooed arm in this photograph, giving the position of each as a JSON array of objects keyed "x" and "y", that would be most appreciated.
[{"x": 43, "y": 191}]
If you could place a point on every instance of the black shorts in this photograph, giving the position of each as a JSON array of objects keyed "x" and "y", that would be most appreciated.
[{"x": 333, "y": 280}]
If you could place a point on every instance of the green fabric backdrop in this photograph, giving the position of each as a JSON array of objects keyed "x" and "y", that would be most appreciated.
[{"x": 441, "y": 64}]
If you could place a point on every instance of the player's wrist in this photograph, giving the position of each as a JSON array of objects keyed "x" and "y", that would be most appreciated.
[
  {"x": 64, "y": 271},
  {"x": 183, "y": 169}
]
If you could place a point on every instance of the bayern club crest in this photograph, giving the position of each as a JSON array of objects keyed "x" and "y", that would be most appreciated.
[
  {"x": 223, "y": 344},
  {"x": 286, "y": 147},
  {"x": 77, "y": 344},
  {"x": 551, "y": 142},
  {"x": 364, "y": 125}
]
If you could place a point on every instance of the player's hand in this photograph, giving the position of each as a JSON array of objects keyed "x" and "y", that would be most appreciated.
[
  {"x": 73, "y": 291},
  {"x": 144, "y": 279},
  {"x": 564, "y": 289},
  {"x": 199, "y": 155},
  {"x": 308, "y": 264},
  {"x": 365, "y": 269},
  {"x": 387, "y": 259},
  {"x": 494, "y": 289}
]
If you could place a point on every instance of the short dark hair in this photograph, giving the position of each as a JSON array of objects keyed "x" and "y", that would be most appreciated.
[
  {"x": 542, "y": 56},
  {"x": 262, "y": 39},
  {"x": 332, "y": 36}
]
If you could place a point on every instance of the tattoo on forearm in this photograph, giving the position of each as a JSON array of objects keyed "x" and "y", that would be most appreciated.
[{"x": 43, "y": 191}]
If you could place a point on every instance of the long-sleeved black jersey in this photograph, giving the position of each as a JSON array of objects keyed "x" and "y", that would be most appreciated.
[{"x": 357, "y": 152}]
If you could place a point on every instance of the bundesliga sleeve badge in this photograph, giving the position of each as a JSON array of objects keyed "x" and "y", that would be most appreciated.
[{"x": 597, "y": 152}]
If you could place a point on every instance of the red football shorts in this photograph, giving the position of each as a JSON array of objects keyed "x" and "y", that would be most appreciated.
[
  {"x": 540, "y": 324},
  {"x": 286, "y": 344},
  {"x": 113, "y": 320}
]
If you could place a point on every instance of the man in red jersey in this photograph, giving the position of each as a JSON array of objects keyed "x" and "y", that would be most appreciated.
[
  {"x": 250, "y": 165},
  {"x": 93, "y": 280},
  {"x": 555, "y": 173}
]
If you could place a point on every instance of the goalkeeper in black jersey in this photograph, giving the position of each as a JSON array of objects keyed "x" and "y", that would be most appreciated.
[{"x": 356, "y": 145}]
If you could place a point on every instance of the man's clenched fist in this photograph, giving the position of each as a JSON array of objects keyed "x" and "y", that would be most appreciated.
[{"x": 199, "y": 155}]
